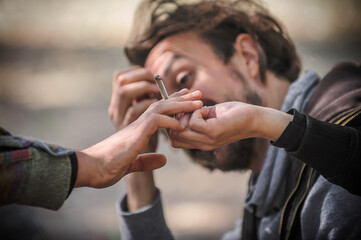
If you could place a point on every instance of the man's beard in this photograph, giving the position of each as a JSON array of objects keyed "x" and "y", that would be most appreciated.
[
  {"x": 231, "y": 157},
  {"x": 234, "y": 156}
]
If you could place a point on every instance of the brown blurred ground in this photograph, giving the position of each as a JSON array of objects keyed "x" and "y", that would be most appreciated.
[{"x": 56, "y": 65}]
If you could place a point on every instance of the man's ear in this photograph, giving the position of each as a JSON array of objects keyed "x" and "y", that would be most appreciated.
[{"x": 246, "y": 47}]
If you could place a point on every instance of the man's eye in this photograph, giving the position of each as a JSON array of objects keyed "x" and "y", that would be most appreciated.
[{"x": 184, "y": 79}]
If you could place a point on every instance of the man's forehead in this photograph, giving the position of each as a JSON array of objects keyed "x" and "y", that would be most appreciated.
[{"x": 175, "y": 45}]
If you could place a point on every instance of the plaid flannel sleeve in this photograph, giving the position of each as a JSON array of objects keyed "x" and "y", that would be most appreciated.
[{"x": 35, "y": 173}]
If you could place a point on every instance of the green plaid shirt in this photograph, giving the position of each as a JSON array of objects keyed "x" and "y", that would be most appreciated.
[{"x": 34, "y": 173}]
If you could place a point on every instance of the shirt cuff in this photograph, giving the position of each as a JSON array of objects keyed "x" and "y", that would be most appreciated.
[
  {"x": 74, "y": 171},
  {"x": 296, "y": 128}
]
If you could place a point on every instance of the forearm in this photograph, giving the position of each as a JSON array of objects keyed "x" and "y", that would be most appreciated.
[
  {"x": 141, "y": 190},
  {"x": 333, "y": 150},
  {"x": 271, "y": 123}
]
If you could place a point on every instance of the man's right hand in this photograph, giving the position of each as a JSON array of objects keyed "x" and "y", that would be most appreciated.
[{"x": 134, "y": 90}]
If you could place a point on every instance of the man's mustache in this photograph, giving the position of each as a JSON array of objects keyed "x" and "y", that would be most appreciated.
[{"x": 208, "y": 102}]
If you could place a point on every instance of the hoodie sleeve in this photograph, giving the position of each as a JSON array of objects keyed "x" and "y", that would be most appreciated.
[{"x": 145, "y": 223}]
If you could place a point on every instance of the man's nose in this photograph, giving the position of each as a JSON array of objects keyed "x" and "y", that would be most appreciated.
[{"x": 201, "y": 87}]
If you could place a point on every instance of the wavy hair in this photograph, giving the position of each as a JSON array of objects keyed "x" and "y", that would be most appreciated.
[{"x": 218, "y": 23}]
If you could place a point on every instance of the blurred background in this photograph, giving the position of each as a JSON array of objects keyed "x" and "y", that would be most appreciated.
[{"x": 56, "y": 64}]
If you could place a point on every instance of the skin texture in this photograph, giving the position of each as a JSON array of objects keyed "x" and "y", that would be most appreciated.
[
  {"x": 186, "y": 61},
  {"x": 107, "y": 162}
]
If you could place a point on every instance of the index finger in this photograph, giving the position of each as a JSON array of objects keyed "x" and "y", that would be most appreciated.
[
  {"x": 131, "y": 75},
  {"x": 118, "y": 71}
]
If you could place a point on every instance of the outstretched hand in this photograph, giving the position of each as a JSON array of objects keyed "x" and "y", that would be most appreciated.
[
  {"x": 108, "y": 161},
  {"x": 213, "y": 126}
]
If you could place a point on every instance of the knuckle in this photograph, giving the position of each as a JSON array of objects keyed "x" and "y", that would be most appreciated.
[
  {"x": 155, "y": 107},
  {"x": 122, "y": 80},
  {"x": 150, "y": 108},
  {"x": 152, "y": 117}
]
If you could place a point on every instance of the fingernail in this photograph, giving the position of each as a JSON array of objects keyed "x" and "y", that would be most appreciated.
[
  {"x": 183, "y": 90},
  {"x": 198, "y": 103},
  {"x": 196, "y": 92}
]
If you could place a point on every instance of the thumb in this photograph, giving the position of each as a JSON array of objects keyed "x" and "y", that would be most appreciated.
[
  {"x": 198, "y": 121},
  {"x": 147, "y": 162}
]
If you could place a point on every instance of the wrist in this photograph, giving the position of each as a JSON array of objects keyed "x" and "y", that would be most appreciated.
[
  {"x": 86, "y": 167},
  {"x": 272, "y": 123},
  {"x": 141, "y": 190}
]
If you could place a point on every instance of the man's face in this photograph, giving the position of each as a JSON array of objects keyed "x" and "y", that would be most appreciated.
[{"x": 186, "y": 61}]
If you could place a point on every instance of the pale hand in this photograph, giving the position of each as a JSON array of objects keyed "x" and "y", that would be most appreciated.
[{"x": 214, "y": 126}]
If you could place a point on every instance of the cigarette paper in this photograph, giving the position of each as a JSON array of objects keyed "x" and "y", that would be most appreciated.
[{"x": 161, "y": 87}]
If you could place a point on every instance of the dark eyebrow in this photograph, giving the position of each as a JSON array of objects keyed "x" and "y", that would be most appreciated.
[{"x": 169, "y": 67}]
